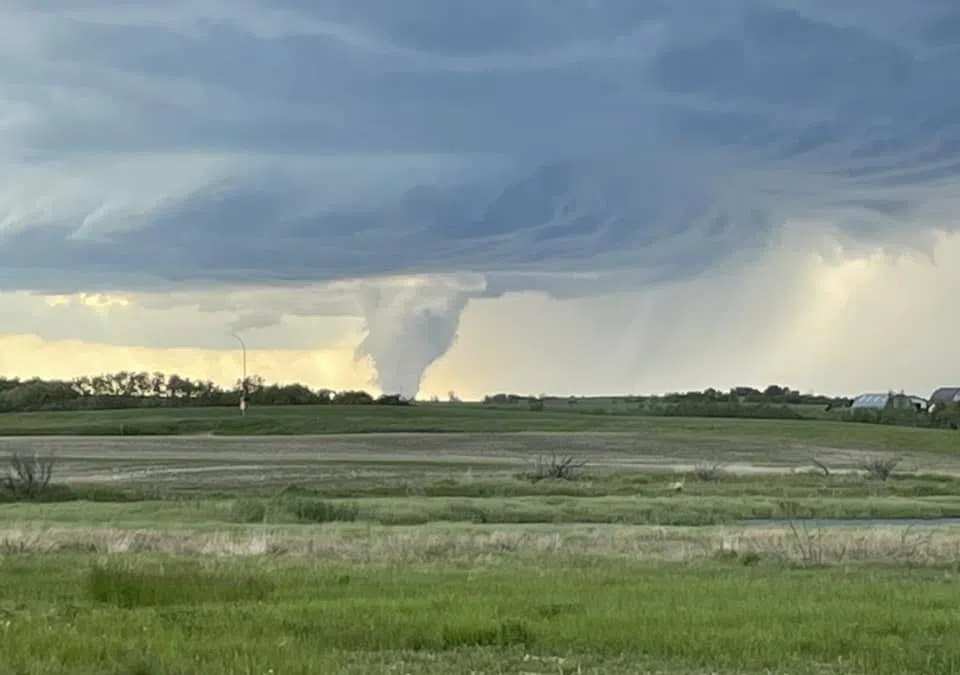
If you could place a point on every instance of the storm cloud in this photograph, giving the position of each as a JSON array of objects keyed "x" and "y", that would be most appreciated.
[{"x": 407, "y": 158}]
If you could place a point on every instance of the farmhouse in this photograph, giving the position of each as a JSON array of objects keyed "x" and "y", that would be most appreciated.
[{"x": 888, "y": 400}]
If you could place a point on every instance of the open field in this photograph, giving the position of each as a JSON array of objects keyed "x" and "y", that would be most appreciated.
[
  {"x": 420, "y": 478},
  {"x": 464, "y": 418},
  {"x": 520, "y": 611},
  {"x": 440, "y": 552}
]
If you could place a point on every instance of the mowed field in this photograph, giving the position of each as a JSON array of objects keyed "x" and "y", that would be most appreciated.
[
  {"x": 422, "y": 418},
  {"x": 434, "y": 540}
]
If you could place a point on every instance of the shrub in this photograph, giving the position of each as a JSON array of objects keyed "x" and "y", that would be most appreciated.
[
  {"x": 28, "y": 479},
  {"x": 709, "y": 473},
  {"x": 128, "y": 587},
  {"x": 320, "y": 511},
  {"x": 946, "y": 416},
  {"x": 248, "y": 511},
  {"x": 50, "y": 494},
  {"x": 904, "y": 417},
  {"x": 880, "y": 467},
  {"x": 558, "y": 468},
  {"x": 28, "y": 476}
]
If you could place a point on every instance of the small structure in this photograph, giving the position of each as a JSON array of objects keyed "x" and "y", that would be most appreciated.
[
  {"x": 870, "y": 401},
  {"x": 890, "y": 399}
]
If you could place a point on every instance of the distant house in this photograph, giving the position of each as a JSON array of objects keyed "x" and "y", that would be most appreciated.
[
  {"x": 945, "y": 396},
  {"x": 888, "y": 400}
]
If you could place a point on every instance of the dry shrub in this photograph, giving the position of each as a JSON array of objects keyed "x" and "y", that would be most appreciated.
[
  {"x": 880, "y": 467},
  {"x": 28, "y": 476},
  {"x": 556, "y": 468},
  {"x": 709, "y": 473}
]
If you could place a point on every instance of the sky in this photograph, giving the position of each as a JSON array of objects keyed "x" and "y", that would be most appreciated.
[{"x": 532, "y": 196}]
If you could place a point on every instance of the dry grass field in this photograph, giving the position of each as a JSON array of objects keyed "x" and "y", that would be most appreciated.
[{"x": 215, "y": 461}]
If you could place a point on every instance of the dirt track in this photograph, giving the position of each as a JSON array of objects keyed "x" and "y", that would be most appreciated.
[{"x": 112, "y": 458}]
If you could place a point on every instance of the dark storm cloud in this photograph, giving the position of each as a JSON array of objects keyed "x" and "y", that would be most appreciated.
[{"x": 158, "y": 143}]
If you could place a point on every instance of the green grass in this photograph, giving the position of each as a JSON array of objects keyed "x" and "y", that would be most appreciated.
[
  {"x": 419, "y": 483},
  {"x": 130, "y": 586},
  {"x": 662, "y": 510},
  {"x": 72, "y": 614},
  {"x": 465, "y": 418},
  {"x": 497, "y": 497}
]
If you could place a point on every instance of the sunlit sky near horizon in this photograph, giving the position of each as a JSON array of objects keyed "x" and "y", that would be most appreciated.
[{"x": 567, "y": 197}]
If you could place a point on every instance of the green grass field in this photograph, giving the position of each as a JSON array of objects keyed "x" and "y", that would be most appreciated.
[
  {"x": 417, "y": 495},
  {"x": 460, "y": 418},
  {"x": 440, "y": 553},
  {"x": 146, "y": 614}
]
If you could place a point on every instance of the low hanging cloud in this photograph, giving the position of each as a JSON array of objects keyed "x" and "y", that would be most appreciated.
[{"x": 389, "y": 163}]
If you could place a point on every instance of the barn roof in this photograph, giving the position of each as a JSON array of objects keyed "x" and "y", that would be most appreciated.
[
  {"x": 878, "y": 400},
  {"x": 871, "y": 400},
  {"x": 946, "y": 395}
]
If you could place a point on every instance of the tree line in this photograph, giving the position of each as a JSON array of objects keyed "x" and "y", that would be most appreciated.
[
  {"x": 774, "y": 394},
  {"x": 127, "y": 389}
]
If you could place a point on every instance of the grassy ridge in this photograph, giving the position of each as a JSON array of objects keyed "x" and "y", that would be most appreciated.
[
  {"x": 411, "y": 496},
  {"x": 300, "y": 420},
  {"x": 159, "y": 616},
  {"x": 664, "y": 510}
]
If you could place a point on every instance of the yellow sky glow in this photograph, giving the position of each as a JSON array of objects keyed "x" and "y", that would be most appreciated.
[
  {"x": 27, "y": 356},
  {"x": 814, "y": 320}
]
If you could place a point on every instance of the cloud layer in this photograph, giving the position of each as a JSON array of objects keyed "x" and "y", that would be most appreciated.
[{"x": 395, "y": 161}]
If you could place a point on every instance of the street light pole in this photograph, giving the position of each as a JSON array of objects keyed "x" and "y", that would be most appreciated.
[{"x": 243, "y": 382}]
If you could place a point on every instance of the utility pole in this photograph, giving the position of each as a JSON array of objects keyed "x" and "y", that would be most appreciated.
[{"x": 243, "y": 382}]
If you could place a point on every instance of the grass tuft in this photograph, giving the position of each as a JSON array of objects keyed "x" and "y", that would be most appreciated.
[
  {"x": 129, "y": 587},
  {"x": 505, "y": 633},
  {"x": 307, "y": 510},
  {"x": 248, "y": 511}
]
